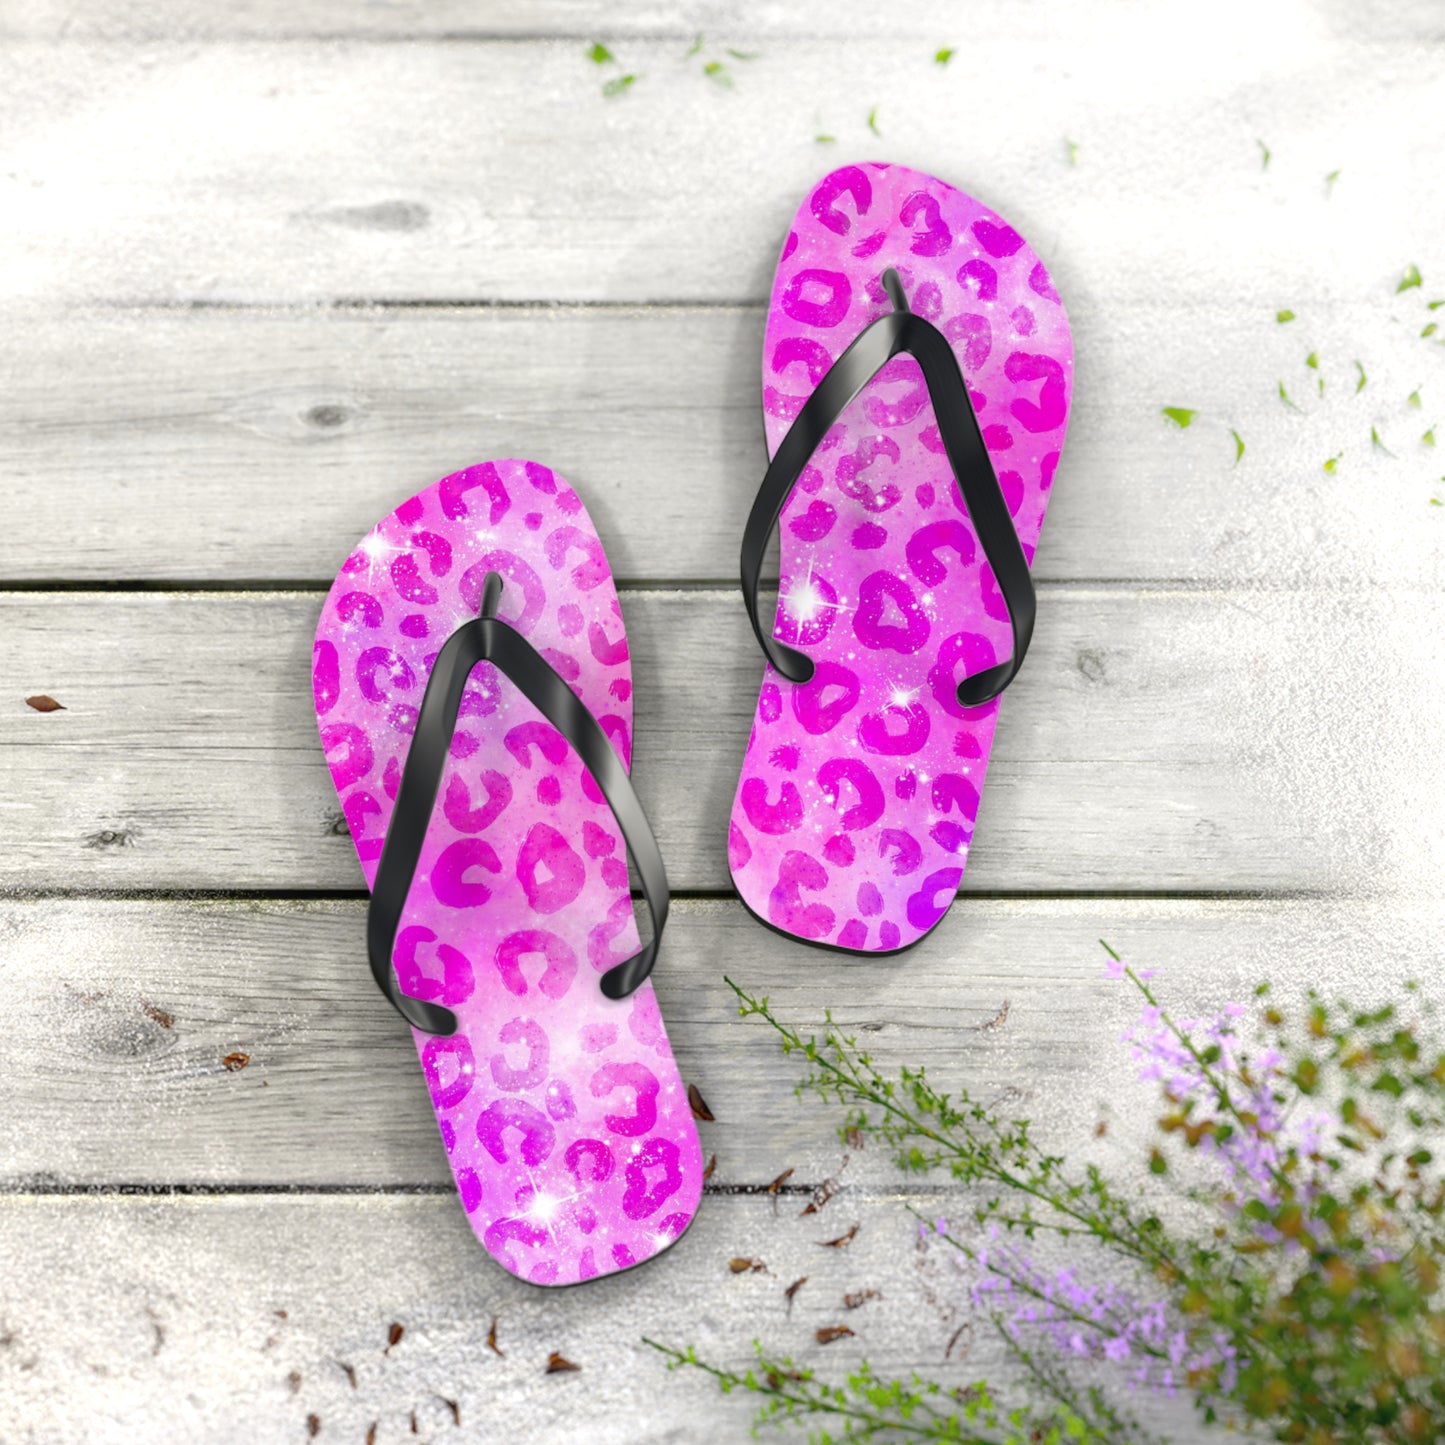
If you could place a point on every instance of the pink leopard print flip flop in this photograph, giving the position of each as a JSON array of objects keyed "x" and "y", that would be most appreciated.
[
  {"x": 917, "y": 370},
  {"x": 472, "y": 652}
]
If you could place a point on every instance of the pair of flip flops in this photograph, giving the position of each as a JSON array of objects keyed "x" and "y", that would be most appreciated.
[{"x": 474, "y": 699}]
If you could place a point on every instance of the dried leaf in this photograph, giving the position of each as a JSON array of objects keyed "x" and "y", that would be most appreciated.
[
  {"x": 842, "y": 1241},
  {"x": 234, "y": 1063},
  {"x": 414, "y": 1430},
  {"x": 776, "y": 1377},
  {"x": 313, "y": 1425},
  {"x": 349, "y": 1371},
  {"x": 371, "y": 1433},
  {"x": 996, "y": 1022},
  {"x": 1100, "y": 1129},
  {"x": 159, "y": 1329},
  {"x": 41, "y": 703},
  {"x": 823, "y": 1193},
  {"x": 859, "y": 1297},
  {"x": 698, "y": 1104},
  {"x": 829, "y": 1333},
  {"x": 560, "y": 1365},
  {"x": 711, "y": 1166},
  {"x": 454, "y": 1408},
  {"x": 281, "y": 1314},
  {"x": 853, "y": 1137},
  {"x": 965, "y": 1328},
  {"x": 792, "y": 1289},
  {"x": 740, "y": 1265},
  {"x": 492, "y": 1344},
  {"x": 157, "y": 1015},
  {"x": 777, "y": 1184},
  {"x": 393, "y": 1337},
  {"x": 294, "y": 1380}
]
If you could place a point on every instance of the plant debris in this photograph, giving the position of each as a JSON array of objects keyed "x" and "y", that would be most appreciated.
[
  {"x": 825, "y": 1191},
  {"x": 349, "y": 1371},
  {"x": 454, "y": 1408},
  {"x": 371, "y": 1433},
  {"x": 859, "y": 1297},
  {"x": 294, "y": 1381},
  {"x": 738, "y": 1264},
  {"x": 792, "y": 1289},
  {"x": 965, "y": 1328},
  {"x": 157, "y": 1015},
  {"x": 393, "y": 1337},
  {"x": 842, "y": 1241},
  {"x": 698, "y": 1104},
  {"x": 829, "y": 1333},
  {"x": 234, "y": 1063},
  {"x": 996, "y": 1022},
  {"x": 41, "y": 703},
  {"x": 561, "y": 1365},
  {"x": 776, "y": 1185},
  {"x": 313, "y": 1425},
  {"x": 711, "y": 1166},
  {"x": 492, "y": 1344}
]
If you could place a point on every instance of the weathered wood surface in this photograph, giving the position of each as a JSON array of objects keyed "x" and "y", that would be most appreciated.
[
  {"x": 243, "y": 446},
  {"x": 121, "y": 1013},
  {"x": 1157, "y": 740},
  {"x": 247, "y": 172},
  {"x": 161, "y": 1319}
]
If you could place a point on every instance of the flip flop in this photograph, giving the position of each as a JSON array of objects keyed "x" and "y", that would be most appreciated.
[
  {"x": 910, "y": 503},
  {"x": 472, "y": 649}
]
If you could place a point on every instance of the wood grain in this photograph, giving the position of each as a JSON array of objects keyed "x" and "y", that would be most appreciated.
[
  {"x": 245, "y": 172},
  {"x": 1156, "y": 740},
  {"x": 242, "y": 446},
  {"x": 232, "y": 1319},
  {"x": 122, "y": 1011}
]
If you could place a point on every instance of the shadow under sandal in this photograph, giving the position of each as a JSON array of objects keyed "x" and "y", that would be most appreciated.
[
  {"x": 472, "y": 651},
  {"x": 917, "y": 370}
]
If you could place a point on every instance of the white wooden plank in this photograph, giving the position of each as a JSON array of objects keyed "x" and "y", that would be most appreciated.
[
  {"x": 150, "y": 1319},
  {"x": 498, "y": 170},
  {"x": 721, "y": 21},
  {"x": 121, "y": 1013},
  {"x": 1155, "y": 740},
  {"x": 223, "y": 445}
]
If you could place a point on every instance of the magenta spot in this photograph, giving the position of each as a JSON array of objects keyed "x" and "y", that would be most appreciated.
[
  {"x": 643, "y": 1197},
  {"x": 997, "y": 438},
  {"x": 924, "y": 907},
  {"x": 822, "y": 313},
  {"x": 437, "y": 1055},
  {"x": 1011, "y": 484},
  {"x": 1053, "y": 405},
  {"x": 888, "y": 936},
  {"x": 598, "y": 1165},
  {"x": 521, "y": 582},
  {"x": 538, "y": 1135},
  {"x": 851, "y": 472},
  {"x": 786, "y": 908},
  {"x": 784, "y": 757},
  {"x": 966, "y": 745},
  {"x": 906, "y": 849},
  {"x": 410, "y": 511},
  {"x": 448, "y": 876},
  {"x": 533, "y": 1037},
  {"x": 596, "y": 1037},
  {"x": 926, "y": 543},
  {"x": 876, "y": 736},
  {"x": 562, "y": 663},
  {"x": 403, "y": 718},
  {"x": 463, "y": 745},
  {"x": 923, "y": 494},
  {"x": 452, "y": 489},
  {"x": 870, "y": 245},
  {"x": 645, "y": 1021},
  {"x": 561, "y": 961},
  {"x": 391, "y": 665},
  {"x": 533, "y": 521},
  {"x": 953, "y": 788},
  {"x": 1046, "y": 471},
  {"x": 740, "y": 852},
  {"x": 807, "y": 612},
  {"x": 1023, "y": 321},
  {"x": 868, "y": 536},
  {"x": 847, "y": 180},
  {"x": 569, "y": 619},
  {"x": 414, "y": 626},
  {"x": 838, "y": 850},
  {"x": 811, "y": 479},
  {"x": 1039, "y": 282},
  {"x": 951, "y": 837},
  {"x": 586, "y": 1265},
  {"x": 934, "y": 238},
  {"x": 979, "y": 279},
  {"x": 597, "y": 842},
  {"x": 854, "y": 934},
  {"x": 770, "y": 703},
  {"x": 325, "y": 676},
  {"x": 815, "y": 523},
  {"x": 521, "y": 739},
  {"x": 816, "y": 716},
  {"x": 976, "y": 336},
  {"x": 998, "y": 241},
  {"x": 355, "y": 757},
  {"x": 559, "y": 1101},
  {"x": 870, "y": 900},
  {"x": 545, "y": 849},
  {"x": 875, "y": 592},
  {"x": 812, "y": 355},
  {"x": 645, "y": 1089},
  {"x": 614, "y": 873},
  {"x": 361, "y": 604},
  {"x": 457, "y": 983},
  {"x": 592, "y": 570},
  {"x": 391, "y": 778},
  {"x": 549, "y": 790},
  {"x": 927, "y": 301},
  {"x": 837, "y": 772},
  {"x": 458, "y": 802},
  {"x": 905, "y": 785},
  {"x": 774, "y": 819},
  {"x": 470, "y": 1188},
  {"x": 975, "y": 652}
]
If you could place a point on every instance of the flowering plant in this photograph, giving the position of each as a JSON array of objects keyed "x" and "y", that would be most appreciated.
[{"x": 1294, "y": 1291}]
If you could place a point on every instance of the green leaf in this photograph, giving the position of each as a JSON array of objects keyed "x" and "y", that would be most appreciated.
[
  {"x": 1284, "y": 396},
  {"x": 1409, "y": 279},
  {"x": 825, "y": 140},
  {"x": 744, "y": 54},
  {"x": 1181, "y": 416},
  {"x": 715, "y": 70},
  {"x": 1431, "y": 329},
  {"x": 943, "y": 56},
  {"x": 1073, "y": 148},
  {"x": 1429, "y": 438},
  {"x": 873, "y": 121},
  {"x": 1158, "y": 1164},
  {"x": 1264, "y": 155},
  {"x": 1330, "y": 183},
  {"x": 1332, "y": 465},
  {"x": 1377, "y": 440},
  {"x": 1414, "y": 397},
  {"x": 1360, "y": 384},
  {"x": 1313, "y": 361},
  {"x": 600, "y": 54},
  {"x": 694, "y": 47},
  {"x": 1434, "y": 305},
  {"x": 618, "y": 84},
  {"x": 1283, "y": 316},
  {"x": 1238, "y": 445}
]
